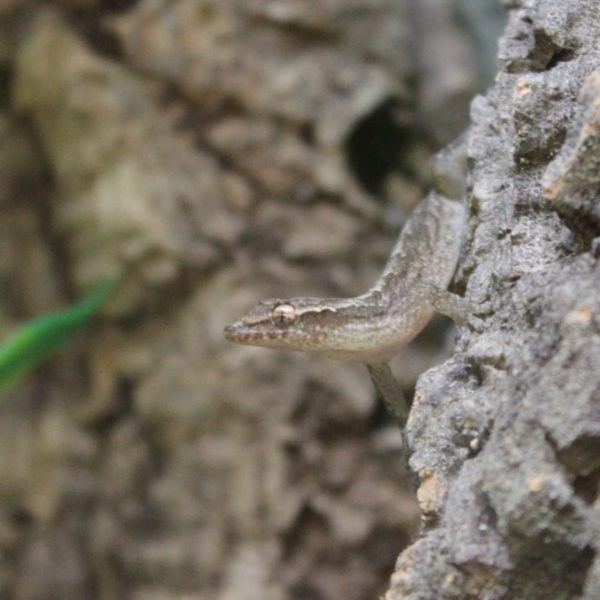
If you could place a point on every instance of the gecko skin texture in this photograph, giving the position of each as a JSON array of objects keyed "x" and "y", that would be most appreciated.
[{"x": 373, "y": 327}]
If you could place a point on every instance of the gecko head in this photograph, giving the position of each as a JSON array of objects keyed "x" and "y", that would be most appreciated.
[{"x": 293, "y": 324}]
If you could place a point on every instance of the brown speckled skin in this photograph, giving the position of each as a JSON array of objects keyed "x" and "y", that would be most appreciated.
[{"x": 375, "y": 326}]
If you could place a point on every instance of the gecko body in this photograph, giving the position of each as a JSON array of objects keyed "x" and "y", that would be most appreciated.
[{"x": 373, "y": 327}]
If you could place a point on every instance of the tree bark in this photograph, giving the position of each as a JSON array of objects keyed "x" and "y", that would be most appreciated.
[{"x": 505, "y": 435}]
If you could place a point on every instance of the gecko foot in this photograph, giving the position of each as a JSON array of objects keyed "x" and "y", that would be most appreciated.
[{"x": 457, "y": 308}]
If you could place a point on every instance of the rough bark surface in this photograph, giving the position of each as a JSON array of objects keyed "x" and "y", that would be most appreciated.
[
  {"x": 505, "y": 436},
  {"x": 214, "y": 152}
]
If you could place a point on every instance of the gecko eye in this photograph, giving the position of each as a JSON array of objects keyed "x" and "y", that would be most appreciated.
[{"x": 284, "y": 314}]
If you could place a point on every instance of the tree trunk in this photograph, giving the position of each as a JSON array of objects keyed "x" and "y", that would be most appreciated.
[{"x": 505, "y": 436}]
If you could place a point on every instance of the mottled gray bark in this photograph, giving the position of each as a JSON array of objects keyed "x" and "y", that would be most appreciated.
[{"x": 505, "y": 436}]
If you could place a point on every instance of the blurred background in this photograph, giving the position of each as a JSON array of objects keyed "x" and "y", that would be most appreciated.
[{"x": 213, "y": 153}]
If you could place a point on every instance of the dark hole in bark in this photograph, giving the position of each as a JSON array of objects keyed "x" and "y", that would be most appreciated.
[
  {"x": 374, "y": 146},
  {"x": 547, "y": 53},
  {"x": 559, "y": 56},
  {"x": 586, "y": 487},
  {"x": 21, "y": 517},
  {"x": 6, "y": 77},
  {"x": 103, "y": 8},
  {"x": 92, "y": 25},
  {"x": 582, "y": 456},
  {"x": 307, "y": 134},
  {"x": 98, "y": 36},
  {"x": 118, "y": 6},
  {"x": 308, "y": 523}
]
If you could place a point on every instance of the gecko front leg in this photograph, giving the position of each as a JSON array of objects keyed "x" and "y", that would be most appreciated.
[
  {"x": 455, "y": 307},
  {"x": 391, "y": 393}
]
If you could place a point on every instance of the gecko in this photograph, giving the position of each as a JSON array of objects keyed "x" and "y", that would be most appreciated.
[{"x": 372, "y": 327}]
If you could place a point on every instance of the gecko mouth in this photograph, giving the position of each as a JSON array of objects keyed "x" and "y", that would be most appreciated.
[
  {"x": 237, "y": 333},
  {"x": 243, "y": 334}
]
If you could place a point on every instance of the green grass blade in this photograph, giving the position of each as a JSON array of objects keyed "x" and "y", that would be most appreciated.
[{"x": 37, "y": 340}]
